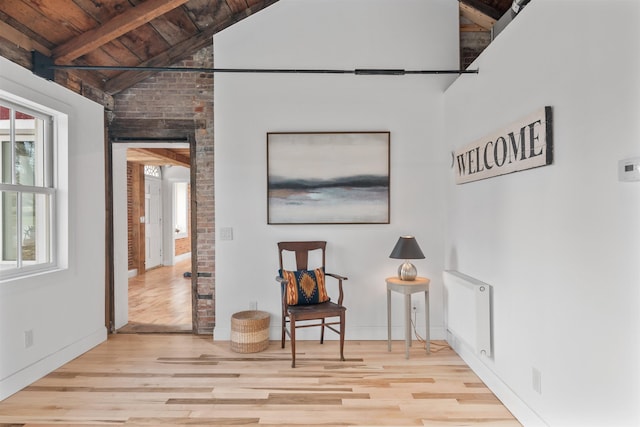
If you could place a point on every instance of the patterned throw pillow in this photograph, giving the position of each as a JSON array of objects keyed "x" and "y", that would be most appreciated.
[{"x": 305, "y": 287}]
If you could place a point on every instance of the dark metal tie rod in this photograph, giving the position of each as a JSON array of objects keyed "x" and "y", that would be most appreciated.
[
  {"x": 359, "y": 71},
  {"x": 43, "y": 66}
]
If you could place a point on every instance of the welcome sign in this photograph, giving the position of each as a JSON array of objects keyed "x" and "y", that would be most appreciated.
[{"x": 524, "y": 144}]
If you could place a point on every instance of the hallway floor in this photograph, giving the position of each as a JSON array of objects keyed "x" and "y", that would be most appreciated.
[{"x": 160, "y": 301}]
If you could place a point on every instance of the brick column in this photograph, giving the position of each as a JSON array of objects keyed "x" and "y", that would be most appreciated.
[
  {"x": 203, "y": 111},
  {"x": 186, "y": 96}
]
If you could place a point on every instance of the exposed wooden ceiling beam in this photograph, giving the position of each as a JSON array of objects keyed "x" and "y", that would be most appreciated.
[
  {"x": 119, "y": 25},
  {"x": 181, "y": 50},
  {"x": 483, "y": 8},
  {"x": 479, "y": 13},
  {"x": 472, "y": 28},
  {"x": 157, "y": 156},
  {"x": 175, "y": 54}
]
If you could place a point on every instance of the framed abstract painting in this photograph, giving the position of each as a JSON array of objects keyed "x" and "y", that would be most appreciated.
[{"x": 328, "y": 177}]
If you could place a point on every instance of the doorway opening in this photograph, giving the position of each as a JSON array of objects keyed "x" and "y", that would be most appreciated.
[{"x": 152, "y": 237}]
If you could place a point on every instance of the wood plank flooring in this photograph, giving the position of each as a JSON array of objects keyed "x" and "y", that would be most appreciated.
[
  {"x": 177, "y": 379},
  {"x": 160, "y": 301}
]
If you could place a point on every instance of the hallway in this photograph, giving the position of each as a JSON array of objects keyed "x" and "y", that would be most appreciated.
[{"x": 160, "y": 301}]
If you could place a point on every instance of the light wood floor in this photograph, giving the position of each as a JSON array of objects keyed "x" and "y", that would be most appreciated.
[
  {"x": 178, "y": 379},
  {"x": 160, "y": 300}
]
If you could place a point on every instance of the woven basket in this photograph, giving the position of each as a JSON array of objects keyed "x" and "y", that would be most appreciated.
[{"x": 249, "y": 331}]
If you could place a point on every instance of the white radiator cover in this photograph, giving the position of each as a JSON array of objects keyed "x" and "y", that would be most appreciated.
[{"x": 468, "y": 311}]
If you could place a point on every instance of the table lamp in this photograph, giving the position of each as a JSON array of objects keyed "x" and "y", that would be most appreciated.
[{"x": 407, "y": 248}]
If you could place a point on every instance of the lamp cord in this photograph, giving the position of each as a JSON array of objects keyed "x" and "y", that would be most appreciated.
[{"x": 439, "y": 346}]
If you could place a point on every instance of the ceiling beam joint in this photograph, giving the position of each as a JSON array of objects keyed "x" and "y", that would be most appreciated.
[{"x": 116, "y": 27}]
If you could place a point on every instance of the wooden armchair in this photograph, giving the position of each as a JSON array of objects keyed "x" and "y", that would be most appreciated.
[{"x": 304, "y": 296}]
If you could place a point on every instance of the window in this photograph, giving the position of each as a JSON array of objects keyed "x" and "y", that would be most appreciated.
[
  {"x": 27, "y": 194},
  {"x": 153, "y": 171}
]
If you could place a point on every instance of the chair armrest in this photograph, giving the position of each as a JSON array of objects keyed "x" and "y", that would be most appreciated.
[
  {"x": 336, "y": 276},
  {"x": 340, "y": 279}
]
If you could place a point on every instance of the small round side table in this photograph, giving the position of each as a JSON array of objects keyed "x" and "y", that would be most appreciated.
[{"x": 408, "y": 287}]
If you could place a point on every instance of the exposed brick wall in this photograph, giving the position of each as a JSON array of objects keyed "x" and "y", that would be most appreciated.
[
  {"x": 135, "y": 230},
  {"x": 472, "y": 44},
  {"x": 182, "y": 246},
  {"x": 182, "y": 95},
  {"x": 130, "y": 237},
  {"x": 203, "y": 109}
]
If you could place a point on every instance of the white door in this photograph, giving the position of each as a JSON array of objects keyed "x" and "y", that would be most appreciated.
[{"x": 153, "y": 222}]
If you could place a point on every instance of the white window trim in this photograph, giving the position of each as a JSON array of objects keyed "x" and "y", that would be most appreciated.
[{"x": 56, "y": 177}]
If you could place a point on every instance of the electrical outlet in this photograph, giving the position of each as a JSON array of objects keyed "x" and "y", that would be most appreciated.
[
  {"x": 253, "y": 305},
  {"x": 226, "y": 233},
  {"x": 28, "y": 338},
  {"x": 536, "y": 380}
]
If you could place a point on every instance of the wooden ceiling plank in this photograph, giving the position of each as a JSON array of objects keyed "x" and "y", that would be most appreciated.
[
  {"x": 205, "y": 13},
  {"x": 160, "y": 156},
  {"x": 173, "y": 55},
  {"x": 114, "y": 28},
  {"x": 144, "y": 42},
  {"x": 66, "y": 13},
  {"x": 182, "y": 50},
  {"x": 472, "y": 28},
  {"x": 237, "y": 5},
  {"x": 477, "y": 17},
  {"x": 120, "y": 53},
  {"x": 99, "y": 56},
  {"x": 174, "y": 26},
  {"x": 25, "y": 31},
  {"x": 38, "y": 23},
  {"x": 15, "y": 54},
  {"x": 483, "y": 7},
  {"x": 103, "y": 11},
  {"x": 21, "y": 40}
]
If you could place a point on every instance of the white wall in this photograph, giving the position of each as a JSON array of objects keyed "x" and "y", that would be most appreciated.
[
  {"x": 336, "y": 34},
  {"x": 64, "y": 309},
  {"x": 171, "y": 176},
  {"x": 559, "y": 244}
]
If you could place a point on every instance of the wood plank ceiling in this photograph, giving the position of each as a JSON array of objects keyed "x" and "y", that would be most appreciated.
[
  {"x": 151, "y": 33},
  {"x": 159, "y": 156}
]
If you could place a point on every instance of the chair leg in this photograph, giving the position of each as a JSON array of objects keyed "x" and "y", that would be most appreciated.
[
  {"x": 322, "y": 332},
  {"x": 284, "y": 328},
  {"x": 342, "y": 337},
  {"x": 292, "y": 325}
]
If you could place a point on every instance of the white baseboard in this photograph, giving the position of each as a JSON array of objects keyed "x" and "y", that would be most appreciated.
[
  {"x": 511, "y": 400},
  {"x": 28, "y": 375},
  {"x": 132, "y": 273}
]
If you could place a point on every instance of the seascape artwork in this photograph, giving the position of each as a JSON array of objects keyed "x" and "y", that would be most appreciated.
[{"x": 328, "y": 178}]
